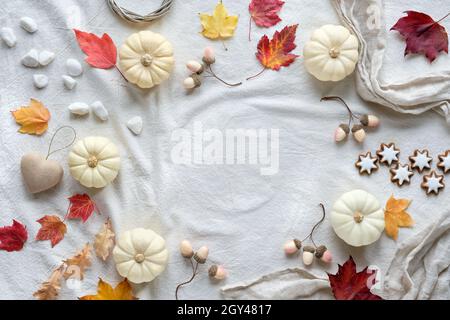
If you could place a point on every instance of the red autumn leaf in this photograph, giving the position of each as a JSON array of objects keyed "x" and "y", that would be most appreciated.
[
  {"x": 12, "y": 238},
  {"x": 347, "y": 284},
  {"x": 422, "y": 34},
  {"x": 101, "y": 52},
  {"x": 81, "y": 207},
  {"x": 265, "y": 12},
  {"x": 52, "y": 228},
  {"x": 275, "y": 53}
]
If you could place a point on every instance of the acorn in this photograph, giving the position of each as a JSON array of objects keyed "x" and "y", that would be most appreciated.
[
  {"x": 369, "y": 120},
  {"x": 323, "y": 254},
  {"x": 217, "y": 272},
  {"x": 186, "y": 249},
  {"x": 292, "y": 246},
  {"x": 208, "y": 56},
  {"x": 341, "y": 132},
  {"x": 201, "y": 255},
  {"x": 358, "y": 133},
  {"x": 308, "y": 255},
  {"x": 194, "y": 66},
  {"x": 192, "y": 82}
]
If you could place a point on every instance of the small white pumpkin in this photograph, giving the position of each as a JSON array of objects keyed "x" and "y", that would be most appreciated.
[
  {"x": 357, "y": 218},
  {"x": 94, "y": 162},
  {"x": 146, "y": 59},
  {"x": 332, "y": 53},
  {"x": 140, "y": 255}
]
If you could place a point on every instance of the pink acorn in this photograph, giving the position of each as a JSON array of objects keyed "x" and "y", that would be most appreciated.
[
  {"x": 194, "y": 66},
  {"x": 341, "y": 132},
  {"x": 369, "y": 120},
  {"x": 323, "y": 254},
  {"x": 292, "y": 246},
  {"x": 217, "y": 272},
  {"x": 208, "y": 56}
]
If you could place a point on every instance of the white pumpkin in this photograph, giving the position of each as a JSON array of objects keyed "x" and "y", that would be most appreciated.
[
  {"x": 357, "y": 218},
  {"x": 146, "y": 59},
  {"x": 331, "y": 54},
  {"x": 140, "y": 255},
  {"x": 94, "y": 162}
]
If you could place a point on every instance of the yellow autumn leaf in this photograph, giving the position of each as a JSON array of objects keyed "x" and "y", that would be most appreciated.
[
  {"x": 105, "y": 291},
  {"x": 220, "y": 24},
  {"x": 395, "y": 216},
  {"x": 33, "y": 118}
]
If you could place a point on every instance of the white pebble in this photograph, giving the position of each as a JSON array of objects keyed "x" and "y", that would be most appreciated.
[
  {"x": 99, "y": 110},
  {"x": 40, "y": 80},
  {"x": 31, "y": 59},
  {"x": 69, "y": 82},
  {"x": 8, "y": 36},
  {"x": 79, "y": 108},
  {"x": 74, "y": 67},
  {"x": 28, "y": 24},
  {"x": 135, "y": 125},
  {"x": 46, "y": 57}
]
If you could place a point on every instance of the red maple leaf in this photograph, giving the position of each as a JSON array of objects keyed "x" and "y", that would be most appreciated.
[
  {"x": 101, "y": 52},
  {"x": 347, "y": 284},
  {"x": 52, "y": 228},
  {"x": 12, "y": 238},
  {"x": 81, "y": 207},
  {"x": 422, "y": 34},
  {"x": 265, "y": 12},
  {"x": 275, "y": 53}
]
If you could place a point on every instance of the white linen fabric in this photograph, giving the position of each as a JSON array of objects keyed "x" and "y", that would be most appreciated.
[{"x": 241, "y": 215}]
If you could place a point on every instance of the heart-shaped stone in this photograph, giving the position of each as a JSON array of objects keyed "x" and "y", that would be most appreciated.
[{"x": 40, "y": 174}]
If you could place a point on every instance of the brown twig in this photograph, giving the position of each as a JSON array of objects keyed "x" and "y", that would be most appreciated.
[
  {"x": 194, "y": 273},
  {"x": 221, "y": 80},
  {"x": 350, "y": 112}
]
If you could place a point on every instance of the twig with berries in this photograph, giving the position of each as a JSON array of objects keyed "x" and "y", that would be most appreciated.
[
  {"x": 309, "y": 252},
  {"x": 200, "y": 257},
  {"x": 197, "y": 69},
  {"x": 358, "y": 132}
]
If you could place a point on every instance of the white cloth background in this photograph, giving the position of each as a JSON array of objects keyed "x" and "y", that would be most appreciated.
[{"x": 242, "y": 216}]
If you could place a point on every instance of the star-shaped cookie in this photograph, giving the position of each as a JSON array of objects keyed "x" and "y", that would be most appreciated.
[
  {"x": 388, "y": 153},
  {"x": 401, "y": 174},
  {"x": 444, "y": 161},
  {"x": 366, "y": 163},
  {"x": 433, "y": 183},
  {"x": 420, "y": 160}
]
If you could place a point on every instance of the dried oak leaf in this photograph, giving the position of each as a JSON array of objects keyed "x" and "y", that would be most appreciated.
[
  {"x": 104, "y": 240},
  {"x": 81, "y": 207},
  {"x": 52, "y": 228},
  {"x": 33, "y": 118},
  {"x": 49, "y": 289},
  {"x": 265, "y": 12},
  {"x": 219, "y": 25},
  {"x": 395, "y": 216},
  {"x": 275, "y": 53},
  {"x": 13, "y": 238},
  {"x": 77, "y": 265},
  {"x": 347, "y": 284},
  {"x": 101, "y": 52},
  {"x": 105, "y": 291},
  {"x": 422, "y": 34}
]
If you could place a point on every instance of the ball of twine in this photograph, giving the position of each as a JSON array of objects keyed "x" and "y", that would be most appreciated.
[{"x": 138, "y": 18}]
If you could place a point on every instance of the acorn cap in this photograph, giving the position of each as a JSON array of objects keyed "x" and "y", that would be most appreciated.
[
  {"x": 364, "y": 120},
  {"x": 309, "y": 249},
  {"x": 345, "y": 128},
  {"x": 357, "y": 127},
  {"x": 197, "y": 79},
  {"x": 208, "y": 61},
  {"x": 320, "y": 251},
  {"x": 213, "y": 271},
  {"x": 298, "y": 243}
]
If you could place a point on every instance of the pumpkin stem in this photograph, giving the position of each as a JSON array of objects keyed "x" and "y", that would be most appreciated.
[
  {"x": 358, "y": 217},
  {"x": 194, "y": 273}
]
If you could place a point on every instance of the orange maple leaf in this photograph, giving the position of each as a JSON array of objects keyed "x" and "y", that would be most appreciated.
[
  {"x": 52, "y": 228},
  {"x": 395, "y": 216},
  {"x": 33, "y": 118},
  {"x": 105, "y": 291},
  {"x": 275, "y": 53}
]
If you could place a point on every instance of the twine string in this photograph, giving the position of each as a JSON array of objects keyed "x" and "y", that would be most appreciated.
[
  {"x": 50, "y": 152},
  {"x": 138, "y": 18}
]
